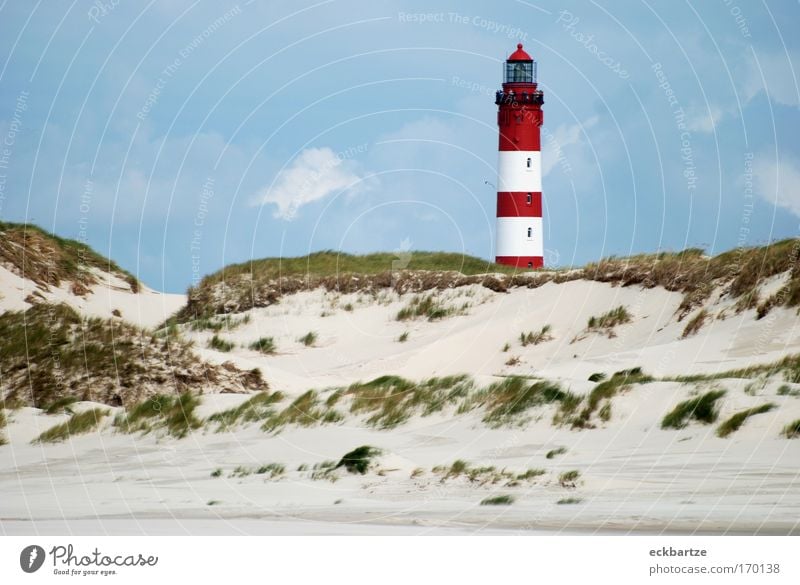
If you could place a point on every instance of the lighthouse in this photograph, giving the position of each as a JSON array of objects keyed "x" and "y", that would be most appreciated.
[{"x": 519, "y": 165}]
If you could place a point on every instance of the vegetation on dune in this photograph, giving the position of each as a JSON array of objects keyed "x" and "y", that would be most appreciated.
[
  {"x": 604, "y": 392},
  {"x": 788, "y": 367},
  {"x": 220, "y": 344},
  {"x": 173, "y": 413},
  {"x": 607, "y": 321},
  {"x": 485, "y": 475},
  {"x": 695, "y": 323},
  {"x": 737, "y": 420},
  {"x": 77, "y": 424},
  {"x": 391, "y": 400},
  {"x": 3, "y": 423},
  {"x": 359, "y": 460},
  {"x": 569, "y": 479},
  {"x": 60, "y": 405},
  {"x": 52, "y": 356},
  {"x": 259, "y": 407},
  {"x": 506, "y": 402},
  {"x": 700, "y": 408},
  {"x": 553, "y": 453},
  {"x": 424, "y": 306},
  {"x": 597, "y": 377},
  {"x": 792, "y": 430},
  {"x": 49, "y": 260},
  {"x": 309, "y": 339},
  {"x": 535, "y": 338},
  {"x": 265, "y": 345},
  {"x": 306, "y": 410},
  {"x": 498, "y": 501}
]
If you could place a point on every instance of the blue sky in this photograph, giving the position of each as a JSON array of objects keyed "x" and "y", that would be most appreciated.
[{"x": 179, "y": 136}]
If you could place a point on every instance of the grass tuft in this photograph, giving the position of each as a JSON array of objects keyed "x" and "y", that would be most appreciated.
[
  {"x": 695, "y": 324},
  {"x": 701, "y": 408},
  {"x": 220, "y": 344},
  {"x": 77, "y": 424},
  {"x": 309, "y": 339},
  {"x": 737, "y": 420},
  {"x": 265, "y": 345},
  {"x": 553, "y": 453},
  {"x": 569, "y": 479},
  {"x": 531, "y": 338},
  {"x": 256, "y": 408},
  {"x": 792, "y": 430},
  {"x": 498, "y": 501},
  {"x": 359, "y": 459}
]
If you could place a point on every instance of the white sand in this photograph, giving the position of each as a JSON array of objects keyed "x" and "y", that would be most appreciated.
[{"x": 634, "y": 476}]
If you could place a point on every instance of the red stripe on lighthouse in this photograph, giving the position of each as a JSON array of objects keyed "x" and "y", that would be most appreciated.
[
  {"x": 519, "y": 204},
  {"x": 521, "y": 261}
]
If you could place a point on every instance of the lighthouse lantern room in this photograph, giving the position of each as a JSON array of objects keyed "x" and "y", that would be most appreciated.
[{"x": 519, "y": 168}]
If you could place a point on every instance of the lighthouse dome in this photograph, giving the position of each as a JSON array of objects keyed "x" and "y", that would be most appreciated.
[{"x": 520, "y": 55}]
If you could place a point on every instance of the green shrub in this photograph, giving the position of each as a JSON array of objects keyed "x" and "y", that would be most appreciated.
[
  {"x": 786, "y": 390},
  {"x": 77, "y": 424},
  {"x": 701, "y": 408},
  {"x": 597, "y": 377},
  {"x": 737, "y": 420},
  {"x": 498, "y": 501},
  {"x": 555, "y": 452},
  {"x": 265, "y": 345},
  {"x": 359, "y": 459}
]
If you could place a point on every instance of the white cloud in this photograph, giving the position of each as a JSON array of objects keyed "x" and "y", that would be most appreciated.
[
  {"x": 313, "y": 175},
  {"x": 774, "y": 74},
  {"x": 705, "y": 120},
  {"x": 778, "y": 181},
  {"x": 556, "y": 145}
]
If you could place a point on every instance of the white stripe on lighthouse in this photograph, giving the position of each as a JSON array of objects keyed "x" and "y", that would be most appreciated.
[
  {"x": 519, "y": 170},
  {"x": 513, "y": 239}
]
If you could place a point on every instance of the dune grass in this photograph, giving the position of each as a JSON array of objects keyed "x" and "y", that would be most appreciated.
[
  {"x": 506, "y": 402},
  {"x": 535, "y": 338},
  {"x": 403, "y": 337},
  {"x": 701, "y": 408},
  {"x": 3, "y": 424},
  {"x": 265, "y": 345},
  {"x": 553, "y": 453},
  {"x": 77, "y": 424},
  {"x": 306, "y": 410},
  {"x": 173, "y": 413},
  {"x": 498, "y": 501},
  {"x": 220, "y": 344},
  {"x": 605, "y": 391},
  {"x": 49, "y": 259},
  {"x": 609, "y": 320},
  {"x": 792, "y": 430},
  {"x": 359, "y": 460},
  {"x": 391, "y": 400},
  {"x": 598, "y": 377},
  {"x": 424, "y": 306},
  {"x": 570, "y": 500},
  {"x": 60, "y": 405},
  {"x": 569, "y": 479},
  {"x": 332, "y": 263},
  {"x": 695, "y": 324},
  {"x": 732, "y": 424},
  {"x": 258, "y": 407},
  {"x": 309, "y": 339}
]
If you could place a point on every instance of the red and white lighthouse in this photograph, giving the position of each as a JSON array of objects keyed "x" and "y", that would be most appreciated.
[{"x": 519, "y": 167}]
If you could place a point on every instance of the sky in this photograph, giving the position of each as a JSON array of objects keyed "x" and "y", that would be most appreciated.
[{"x": 179, "y": 136}]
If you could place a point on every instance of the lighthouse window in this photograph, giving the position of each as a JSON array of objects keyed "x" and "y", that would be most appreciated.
[
  {"x": 529, "y": 199},
  {"x": 529, "y": 163},
  {"x": 530, "y": 232}
]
